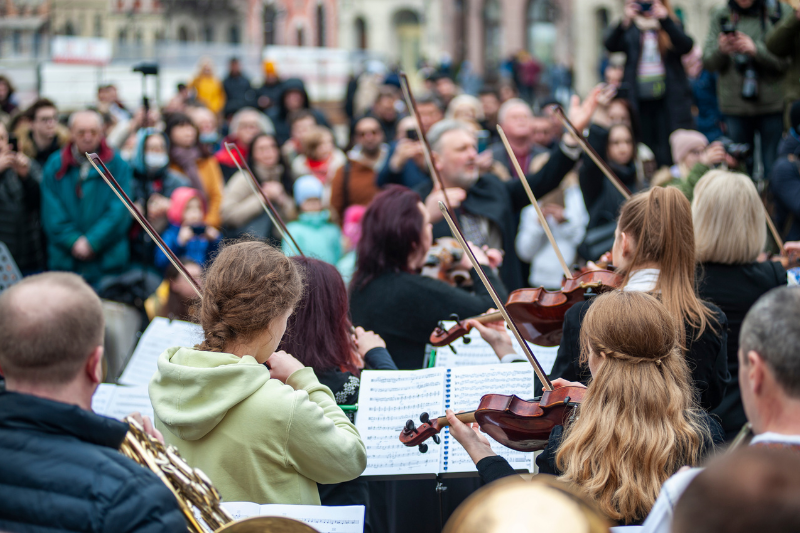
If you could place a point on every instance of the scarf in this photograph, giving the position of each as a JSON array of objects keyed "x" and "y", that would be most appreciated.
[
  {"x": 71, "y": 158},
  {"x": 643, "y": 280},
  {"x": 265, "y": 174},
  {"x": 186, "y": 159}
]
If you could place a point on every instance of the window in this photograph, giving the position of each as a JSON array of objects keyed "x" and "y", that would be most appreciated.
[
  {"x": 208, "y": 33},
  {"x": 98, "y": 25},
  {"x": 138, "y": 38},
  {"x": 233, "y": 34},
  {"x": 122, "y": 36},
  {"x": 270, "y": 16},
  {"x": 301, "y": 37},
  {"x": 541, "y": 30},
  {"x": 361, "y": 33},
  {"x": 460, "y": 31},
  {"x": 321, "y": 33},
  {"x": 69, "y": 28},
  {"x": 601, "y": 22},
  {"x": 183, "y": 34},
  {"x": 491, "y": 34}
]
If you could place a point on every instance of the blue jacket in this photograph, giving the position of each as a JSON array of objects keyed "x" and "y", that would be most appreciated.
[
  {"x": 62, "y": 471},
  {"x": 709, "y": 117},
  {"x": 784, "y": 183},
  {"x": 198, "y": 248},
  {"x": 317, "y": 237},
  {"x": 72, "y": 207},
  {"x": 410, "y": 175}
]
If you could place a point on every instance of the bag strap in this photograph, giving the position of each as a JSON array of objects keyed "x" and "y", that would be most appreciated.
[{"x": 346, "y": 185}]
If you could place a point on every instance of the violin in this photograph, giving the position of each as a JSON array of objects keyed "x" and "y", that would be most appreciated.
[
  {"x": 539, "y": 312},
  {"x": 443, "y": 263},
  {"x": 522, "y": 425}
]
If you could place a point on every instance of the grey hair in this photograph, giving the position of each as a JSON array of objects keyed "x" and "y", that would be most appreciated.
[
  {"x": 264, "y": 123},
  {"x": 513, "y": 102},
  {"x": 438, "y": 130},
  {"x": 98, "y": 116},
  {"x": 772, "y": 329}
]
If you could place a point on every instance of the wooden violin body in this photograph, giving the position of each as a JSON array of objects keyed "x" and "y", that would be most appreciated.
[
  {"x": 539, "y": 312},
  {"x": 522, "y": 425},
  {"x": 443, "y": 263}
]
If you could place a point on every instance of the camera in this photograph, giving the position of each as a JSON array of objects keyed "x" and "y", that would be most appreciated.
[
  {"x": 726, "y": 26},
  {"x": 747, "y": 67},
  {"x": 738, "y": 151},
  {"x": 146, "y": 69},
  {"x": 198, "y": 230},
  {"x": 411, "y": 134},
  {"x": 644, "y": 7}
]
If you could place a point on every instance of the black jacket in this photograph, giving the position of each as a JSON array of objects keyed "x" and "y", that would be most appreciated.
[
  {"x": 735, "y": 288},
  {"x": 238, "y": 94},
  {"x": 678, "y": 95},
  {"x": 20, "y": 221},
  {"x": 785, "y": 186},
  {"x": 62, "y": 471},
  {"x": 279, "y": 114},
  {"x": 501, "y": 202},
  {"x": 405, "y": 308},
  {"x": 707, "y": 356}
]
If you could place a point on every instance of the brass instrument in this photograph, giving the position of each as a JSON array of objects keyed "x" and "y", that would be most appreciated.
[{"x": 199, "y": 501}]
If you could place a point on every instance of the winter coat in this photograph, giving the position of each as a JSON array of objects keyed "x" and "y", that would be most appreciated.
[
  {"x": 316, "y": 235},
  {"x": 678, "y": 94},
  {"x": 62, "y": 471},
  {"x": 27, "y": 146},
  {"x": 77, "y": 202},
  {"x": 209, "y": 91},
  {"x": 238, "y": 94},
  {"x": 785, "y": 186},
  {"x": 199, "y": 248},
  {"x": 211, "y": 175},
  {"x": 147, "y": 181},
  {"x": 279, "y": 114},
  {"x": 769, "y": 67},
  {"x": 259, "y": 440},
  {"x": 784, "y": 41},
  {"x": 20, "y": 224}
]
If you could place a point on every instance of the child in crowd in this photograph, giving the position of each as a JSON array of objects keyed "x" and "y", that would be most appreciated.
[
  {"x": 320, "y": 157},
  {"x": 301, "y": 122},
  {"x": 187, "y": 234},
  {"x": 351, "y": 234},
  {"x": 314, "y": 232}
]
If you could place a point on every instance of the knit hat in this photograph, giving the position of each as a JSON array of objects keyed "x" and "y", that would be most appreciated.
[
  {"x": 307, "y": 187},
  {"x": 269, "y": 68},
  {"x": 684, "y": 141},
  {"x": 351, "y": 225},
  {"x": 794, "y": 117},
  {"x": 180, "y": 197}
]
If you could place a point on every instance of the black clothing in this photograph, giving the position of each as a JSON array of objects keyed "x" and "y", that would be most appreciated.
[
  {"x": 501, "y": 202},
  {"x": 279, "y": 114},
  {"x": 500, "y": 155},
  {"x": 267, "y": 95},
  {"x": 238, "y": 94},
  {"x": 43, "y": 155},
  {"x": 62, "y": 471},
  {"x": 707, "y": 356},
  {"x": 784, "y": 183},
  {"x": 677, "y": 99},
  {"x": 20, "y": 221},
  {"x": 405, "y": 308},
  {"x": 345, "y": 387},
  {"x": 735, "y": 288}
]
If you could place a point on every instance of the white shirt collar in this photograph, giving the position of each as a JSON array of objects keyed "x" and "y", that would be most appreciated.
[
  {"x": 643, "y": 280},
  {"x": 768, "y": 437}
]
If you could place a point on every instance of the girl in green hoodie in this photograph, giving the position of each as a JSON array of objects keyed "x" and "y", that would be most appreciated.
[{"x": 256, "y": 421}]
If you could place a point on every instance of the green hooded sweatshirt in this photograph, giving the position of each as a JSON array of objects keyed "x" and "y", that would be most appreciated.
[{"x": 257, "y": 439}]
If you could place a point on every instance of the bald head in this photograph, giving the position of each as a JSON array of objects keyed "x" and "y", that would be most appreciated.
[
  {"x": 86, "y": 129},
  {"x": 50, "y": 325}
]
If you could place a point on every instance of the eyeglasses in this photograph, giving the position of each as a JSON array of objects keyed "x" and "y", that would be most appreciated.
[
  {"x": 46, "y": 120},
  {"x": 367, "y": 132}
]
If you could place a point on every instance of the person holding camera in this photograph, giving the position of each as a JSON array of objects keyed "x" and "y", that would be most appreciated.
[
  {"x": 653, "y": 41},
  {"x": 749, "y": 89},
  {"x": 784, "y": 41}
]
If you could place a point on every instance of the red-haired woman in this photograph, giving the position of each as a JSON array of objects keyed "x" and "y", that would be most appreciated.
[
  {"x": 387, "y": 294},
  {"x": 319, "y": 334}
]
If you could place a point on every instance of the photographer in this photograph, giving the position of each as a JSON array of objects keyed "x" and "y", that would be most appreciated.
[
  {"x": 784, "y": 41},
  {"x": 695, "y": 157},
  {"x": 652, "y": 38},
  {"x": 785, "y": 179},
  {"x": 748, "y": 88}
]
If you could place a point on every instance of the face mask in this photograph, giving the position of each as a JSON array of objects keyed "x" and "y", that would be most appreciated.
[
  {"x": 156, "y": 160},
  {"x": 209, "y": 137},
  {"x": 125, "y": 154}
]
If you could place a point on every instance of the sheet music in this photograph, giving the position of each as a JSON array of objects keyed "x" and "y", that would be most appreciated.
[
  {"x": 159, "y": 335},
  {"x": 467, "y": 386},
  {"x": 478, "y": 352},
  {"x": 387, "y": 399},
  {"x": 325, "y": 519},
  {"x": 115, "y": 401}
]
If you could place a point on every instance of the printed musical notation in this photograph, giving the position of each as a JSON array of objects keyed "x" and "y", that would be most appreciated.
[
  {"x": 325, "y": 519},
  {"x": 115, "y": 401},
  {"x": 478, "y": 352},
  {"x": 159, "y": 335}
]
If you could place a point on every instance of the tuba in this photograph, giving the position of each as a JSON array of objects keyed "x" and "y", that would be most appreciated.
[{"x": 197, "y": 497}]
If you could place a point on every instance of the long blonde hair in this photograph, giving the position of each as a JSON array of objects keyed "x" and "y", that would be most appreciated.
[
  {"x": 639, "y": 421},
  {"x": 660, "y": 223},
  {"x": 729, "y": 222}
]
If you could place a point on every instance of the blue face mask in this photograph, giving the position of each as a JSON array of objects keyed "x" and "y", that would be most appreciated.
[
  {"x": 156, "y": 160},
  {"x": 209, "y": 137}
]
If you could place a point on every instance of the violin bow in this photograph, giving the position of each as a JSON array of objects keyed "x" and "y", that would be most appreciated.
[
  {"x": 111, "y": 181},
  {"x": 534, "y": 203},
  {"x": 271, "y": 212},
  {"x": 426, "y": 147},
  {"x": 592, "y": 153},
  {"x": 537, "y": 368},
  {"x": 774, "y": 231}
]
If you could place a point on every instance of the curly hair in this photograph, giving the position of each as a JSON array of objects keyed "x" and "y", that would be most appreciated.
[
  {"x": 248, "y": 285},
  {"x": 639, "y": 421}
]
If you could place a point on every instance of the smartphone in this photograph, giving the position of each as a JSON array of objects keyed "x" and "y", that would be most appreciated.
[
  {"x": 644, "y": 7},
  {"x": 483, "y": 140},
  {"x": 411, "y": 134},
  {"x": 13, "y": 144},
  {"x": 199, "y": 230}
]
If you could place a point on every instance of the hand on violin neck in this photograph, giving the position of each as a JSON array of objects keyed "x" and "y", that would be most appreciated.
[
  {"x": 495, "y": 334},
  {"x": 470, "y": 437},
  {"x": 479, "y": 254},
  {"x": 559, "y": 383}
]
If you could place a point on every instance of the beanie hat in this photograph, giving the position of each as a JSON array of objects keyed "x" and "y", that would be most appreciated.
[
  {"x": 307, "y": 187},
  {"x": 794, "y": 117},
  {"x": 180, "y": 197},
  {"x": 684, "y": 141},
  {"x": 269, "y": 68},
  {"x": 351, "y": 225}
]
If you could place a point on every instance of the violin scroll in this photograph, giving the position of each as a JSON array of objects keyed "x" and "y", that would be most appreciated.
[{"x": 416, "y": 436}]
